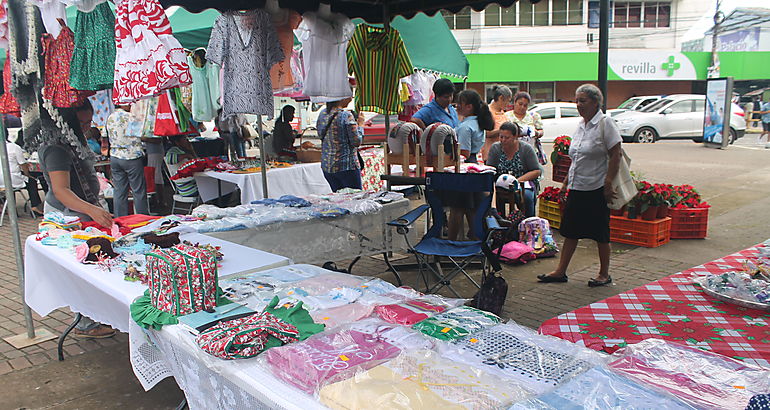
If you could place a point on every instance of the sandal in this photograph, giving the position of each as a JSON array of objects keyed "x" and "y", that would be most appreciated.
[
  {"x": 552, "y": 279},
  {"x": 592, "y": 283}
]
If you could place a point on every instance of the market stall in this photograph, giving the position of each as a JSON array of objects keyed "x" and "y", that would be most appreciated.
[
  {"x": 298, "y": 179},
  {"x": 677, "y": 310}
]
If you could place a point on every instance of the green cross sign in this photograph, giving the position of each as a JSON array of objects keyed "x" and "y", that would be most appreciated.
[{"x": 670, "y": 66}]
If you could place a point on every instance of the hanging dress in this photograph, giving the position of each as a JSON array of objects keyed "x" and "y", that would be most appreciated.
[
  {"x": 246, "y": 46},
  {"x": 93, "y": 59},
  {"x": 149, "y": 59},
  {"x": 58, "y": 53},
  {"x": 285, "y": 23},
  {"x": 205, "y": 88},
  {"x": 8, "y": 104},
  {"x": 4, "y": 24}
]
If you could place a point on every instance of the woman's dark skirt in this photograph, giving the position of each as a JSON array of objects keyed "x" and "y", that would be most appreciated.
[{"x": 586, "y": 216}]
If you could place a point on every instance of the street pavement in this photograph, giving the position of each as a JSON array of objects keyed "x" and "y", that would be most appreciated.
[{"x": 97, "y": 374}]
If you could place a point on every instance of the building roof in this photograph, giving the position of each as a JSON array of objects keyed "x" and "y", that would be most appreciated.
[{"x": 743, "y": 18}]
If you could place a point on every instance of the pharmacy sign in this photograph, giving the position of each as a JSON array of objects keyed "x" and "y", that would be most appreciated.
[{"x": 651, "y": 65}]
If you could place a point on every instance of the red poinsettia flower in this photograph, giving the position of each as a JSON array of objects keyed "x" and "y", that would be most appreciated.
[
  {"x": 689, "y": 331},
  {"x": 669, "y": 307},
  {"x": 606, "y": 329},
  {"x": 759, "y": 334}
]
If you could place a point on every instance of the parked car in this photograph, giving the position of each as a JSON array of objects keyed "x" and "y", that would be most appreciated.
[
  {"x": 674, "y": 116},
  {"x": 634, "y": 104},
  {"x": 559, "y": 118}
]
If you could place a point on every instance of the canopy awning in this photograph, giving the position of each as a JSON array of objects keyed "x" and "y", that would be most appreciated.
[
  {"x": 372, "y": 11},
  {"x": 428, "y": 40}
]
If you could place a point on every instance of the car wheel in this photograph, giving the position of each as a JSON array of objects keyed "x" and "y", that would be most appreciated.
[
  {"x": 733, "y": 136},
  {"x": 645, "y": 135}
]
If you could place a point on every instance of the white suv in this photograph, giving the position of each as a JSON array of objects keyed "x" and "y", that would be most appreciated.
[{"x": 674, "y": 116}]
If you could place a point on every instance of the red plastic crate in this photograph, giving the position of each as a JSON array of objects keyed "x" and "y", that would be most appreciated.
[
  {"x": 561, "y": 167},
  {"x": 649, "y": 234},
  {"x": 689, "y": 223}
]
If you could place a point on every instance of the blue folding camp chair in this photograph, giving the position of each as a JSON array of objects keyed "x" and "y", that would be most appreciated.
[{"x": 432, "y": 248}]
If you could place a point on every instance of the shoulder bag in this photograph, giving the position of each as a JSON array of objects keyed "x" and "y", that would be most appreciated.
[
  {"x": 323, "y": 135},
  {"x": 623, "y": 184}
]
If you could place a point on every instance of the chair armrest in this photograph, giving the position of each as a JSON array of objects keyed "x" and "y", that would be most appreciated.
[
  {"x": 409, "y": 218},
  {"x": 493, "y": 225}
]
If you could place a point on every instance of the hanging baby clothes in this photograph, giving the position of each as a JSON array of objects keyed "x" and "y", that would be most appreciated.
[
  {"x": 298, "y": 74},
  {"x": 51, "y": 11},
  {"x": 93, "y": 59},
  {"x": 58, "y": 52},
  {"x": 281, "y": 73},
  {"x": 8, "y": 103},
  {"x": 103, "y": 107},
  {"x": 149, "y": 59},
  {"x": 378, "y": 59},
  {"x": 205, "y": 87},
  {"x": 324, "y": 45},
  {"x": 246, "y": 46}
]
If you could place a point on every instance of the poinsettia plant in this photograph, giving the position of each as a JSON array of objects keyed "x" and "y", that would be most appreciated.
[
  {"x": 552, "y": 194},
  {"x": 560, "y": 146},
  {"x": 688, "y": 198}
]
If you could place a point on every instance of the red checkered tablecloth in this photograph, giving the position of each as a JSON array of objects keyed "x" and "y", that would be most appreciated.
[{"x": 672, "y": 309}]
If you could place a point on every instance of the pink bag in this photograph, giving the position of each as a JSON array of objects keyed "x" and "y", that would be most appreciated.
[{"x": 516, "y": 252}]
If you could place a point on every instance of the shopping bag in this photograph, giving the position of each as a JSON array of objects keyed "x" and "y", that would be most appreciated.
[
  {"x": 623, "y": 184},
  {"x": 165, "y": 118},
  {"x": 491, "y": 296}
]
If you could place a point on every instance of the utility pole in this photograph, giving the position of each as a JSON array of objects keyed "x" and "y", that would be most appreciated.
[
  {"x": 604, "y": 45},
  {"x": 713, "y": 70}
]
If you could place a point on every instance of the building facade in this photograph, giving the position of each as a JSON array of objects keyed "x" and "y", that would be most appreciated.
[{"x": 551, "y": 47}]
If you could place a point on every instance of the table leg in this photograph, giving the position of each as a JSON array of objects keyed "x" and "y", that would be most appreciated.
[
  {"x": 350, "y": 267},
  {"x": 219, "y": 191},
  {"x": 63, "y": 336},
  {"x": 182, "y": 405},
  {"x": 392, "y": 269}
]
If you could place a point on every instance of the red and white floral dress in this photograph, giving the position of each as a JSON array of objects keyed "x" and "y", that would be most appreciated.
[
  {"x": 149, "y": 59},
  {"x": 58, "y": 53},
  {"x": 8, "y": 104}
]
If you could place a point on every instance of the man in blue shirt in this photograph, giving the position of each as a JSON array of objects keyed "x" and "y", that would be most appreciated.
[{"x": 438, "y": 110}]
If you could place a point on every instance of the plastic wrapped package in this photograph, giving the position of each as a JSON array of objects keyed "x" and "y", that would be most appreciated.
[
  {"x": 209, "y": 212},
  {"x": 336, "y": 297},
  {"x": 340, "y": 353},
  {"x": 326, "y": 282},
  {"x": 395, "y": 296},
  {"x": 412, "y": 311},
  {"x": 600, "y": 388},
  {"x": 360, "y": 206},
  {"x": 703, "y": 379},
  {"x": 421, "y": 379},
  {"x": 378, "y": 286},
  {"x": 337, "y": 316},
  {"x": 536, "y": 362},
  {"x": 456, "y": 323},
  {"x": 228, "y": 223},
  {"x": 737, "y": 285}
]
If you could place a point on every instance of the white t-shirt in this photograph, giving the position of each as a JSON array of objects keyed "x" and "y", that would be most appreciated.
[
  {"x": 324, "y": 52},
  {"x": 15, "y": 160},
  {"x": 589, "y": 152}
]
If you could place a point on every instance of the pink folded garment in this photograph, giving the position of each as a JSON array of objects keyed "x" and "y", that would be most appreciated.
[{"x": 408, "y": 312}]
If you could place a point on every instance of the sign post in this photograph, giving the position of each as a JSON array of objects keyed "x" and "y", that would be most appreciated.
[{"x": 716, "y": 118}]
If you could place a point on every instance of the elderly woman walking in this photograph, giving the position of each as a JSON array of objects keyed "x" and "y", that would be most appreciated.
[{"x": 595, "y": 153}]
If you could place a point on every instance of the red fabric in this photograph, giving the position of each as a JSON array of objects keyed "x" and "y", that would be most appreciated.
[
  {"x": 676, "y": 310},
  {"x": 125, "y": 223},
  {"x": 58, "y": 53},
  {"x": 149, "y": 178},
  {"x": 8, "y": 104}
]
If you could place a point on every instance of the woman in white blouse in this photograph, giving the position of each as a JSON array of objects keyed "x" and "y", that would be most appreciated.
[{"x": 595, "y": 153}]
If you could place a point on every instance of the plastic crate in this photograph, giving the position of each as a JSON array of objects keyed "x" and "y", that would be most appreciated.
[
  {"x": 561, "y": 167},
  {"x": 649, "y": 234},
  {"x": 551, "y": 211},
  {"x": 689, "y": 223}
]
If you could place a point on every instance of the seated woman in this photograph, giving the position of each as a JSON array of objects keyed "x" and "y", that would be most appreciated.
[
  {"x": 517, "y": 158},
  {"x": 284, "y": 134},
  {"x": 181, "y": 151}
]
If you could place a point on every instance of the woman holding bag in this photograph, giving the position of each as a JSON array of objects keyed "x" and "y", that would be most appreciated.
[
  {"x": 341, "y": 133},
  {"x": 595, "y": 152}
]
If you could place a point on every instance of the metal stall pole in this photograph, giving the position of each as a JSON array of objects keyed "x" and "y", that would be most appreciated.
[
  {"x": 404, "y": 171},
  {"x": 10, "y": 199},
  {"x": 262, "y": 156},
  {"x": 604, "y": 42}
]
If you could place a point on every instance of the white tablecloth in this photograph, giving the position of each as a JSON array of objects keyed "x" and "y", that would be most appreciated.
[
  {"x": 300, "y": 179},
  {"x": 54, "y": 279}
]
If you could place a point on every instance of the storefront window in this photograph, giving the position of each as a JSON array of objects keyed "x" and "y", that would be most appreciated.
[
  {"x": 575, "y": 12},
  {"x": 559, "y": 17},
  {"x": 508, "y": 16},
  {"x": 621, "y": 15},
  {"x": 625, "y": 14},
  {"x": 459, "y": 21},
  {"x": 634, "y": 14},
  {"x": 541, "y": 13},
  {"x": 495, "y": 16},
  {"x": 541, "y": 91},
  {"x": 525, "y": 13}
]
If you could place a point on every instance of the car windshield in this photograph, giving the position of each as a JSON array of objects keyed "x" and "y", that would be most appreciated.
[
  {"x": 629, "y": 103},
  {"x": 656, "y": 105}
]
